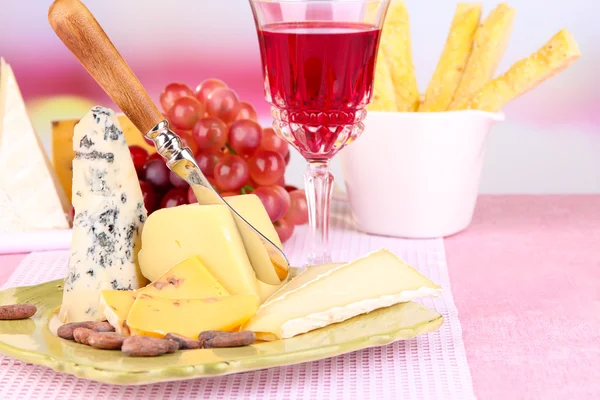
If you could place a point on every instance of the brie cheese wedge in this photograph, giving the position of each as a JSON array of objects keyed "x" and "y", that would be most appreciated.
[
  {"x": 31, "y": 198},
  {"x": 327, "y": 294}
]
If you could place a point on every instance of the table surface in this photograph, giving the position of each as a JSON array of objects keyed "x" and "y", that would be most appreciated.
[{"x": 526, "y": 281}]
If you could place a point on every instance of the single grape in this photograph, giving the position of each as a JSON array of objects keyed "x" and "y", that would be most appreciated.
[
  {"x": 139, "y": 155},
  {"x": 155, "y": 156},
  {"x": 204, "y": 89},
  {"x": 231, "y": 173},
  {"x": 290, "y": 188},
  {"x": 176, "y": 181},
  {"x": 157, "y": 174},
  {"x": 150, "y": 196},
  {"x": 275, "y": 200},
  {"x": 228, "y": 194},
  {"x": 270, "y": 141},
  {"x": 245, "y": 136},
  {"x": 210, "y": 134},
  {"x": 207, "y": 162},
  {"x": 284, "y": 229},
  {"x": 185, "y": 112},
  {"x": 286, "y": 201},
  {"x": 172, "y": 92},
  {"x": 174, "y": 197},
  {"x": 281, "y": 181},
  {"x": 246, "y": 112},
  {"x": 266, "y": 167},
  {"x": 223, "y": 103},
  {"x": 187, "y": 140},
  {"x": 212, "y": 182},
  {"x": 298, "y": 212}
]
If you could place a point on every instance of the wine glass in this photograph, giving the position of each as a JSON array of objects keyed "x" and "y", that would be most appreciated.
[{"x": 318, "y": 59}]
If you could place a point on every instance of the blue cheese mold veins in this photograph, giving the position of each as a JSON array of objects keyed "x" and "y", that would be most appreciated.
[{"x": 109, "y": 217}]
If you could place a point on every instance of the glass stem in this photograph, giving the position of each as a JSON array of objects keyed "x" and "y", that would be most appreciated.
[{"x": 319, "y": 184}]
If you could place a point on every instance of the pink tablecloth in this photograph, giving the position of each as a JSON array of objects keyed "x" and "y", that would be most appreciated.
[{"x": 526, "y": 280}]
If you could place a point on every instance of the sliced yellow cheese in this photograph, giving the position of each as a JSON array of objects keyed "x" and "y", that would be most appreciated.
[
  {"x": 326, "y": 294},
  {"x": 157, "y": 316},
  {"x": 173, "y": 234},
  {"x": 250, "y": 208},
  {"x": 116, "y": 305},
  {"x": 189, "y": 278}
]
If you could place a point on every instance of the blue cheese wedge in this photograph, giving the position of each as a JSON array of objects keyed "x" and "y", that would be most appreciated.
[
  {"x": 331, "y": 293},
  {"x": 109, "y": 216}
]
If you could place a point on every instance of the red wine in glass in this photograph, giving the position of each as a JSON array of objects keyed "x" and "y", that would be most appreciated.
[{"x": 321, "y": 75}]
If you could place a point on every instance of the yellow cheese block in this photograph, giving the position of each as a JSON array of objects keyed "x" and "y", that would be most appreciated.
[
  {"x": 156, "y": 316},
  {"x": 62, "y": 147},
  {"x": 173, "y": 234},
  {"x": 189, "y": 278},
  {"x": 252, "y": 210},
  {"x": 116, "y": 305},
  {"x": 327, "y": 294}
]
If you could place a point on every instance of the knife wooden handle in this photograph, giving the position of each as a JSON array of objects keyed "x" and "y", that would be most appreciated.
[{"x": 81, "y": 33}]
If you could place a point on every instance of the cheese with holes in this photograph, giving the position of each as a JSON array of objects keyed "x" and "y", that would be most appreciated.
[
  {"x": 327, "y": 294},
  {"x": 31, "y": 197},
  {"x": 157, "y": 316},
  {"x": 189, "y": 278},
  {"x": 109, "y": 216},
  {"x": 209, "y": 232},
  {"x": 115, "y": 307}
]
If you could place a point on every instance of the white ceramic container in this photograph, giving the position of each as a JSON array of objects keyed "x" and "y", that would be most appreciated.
[{"x": 416, "y": 175}]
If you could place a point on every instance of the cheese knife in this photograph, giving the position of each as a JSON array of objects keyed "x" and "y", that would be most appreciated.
[{"x": 84, "y": 37}]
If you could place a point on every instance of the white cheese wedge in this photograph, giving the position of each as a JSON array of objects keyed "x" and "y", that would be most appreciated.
[
  {"x": 207, "y": 231},
  {"x": 327, "y": 294},
  {"x": 31, "y": 198},
  {"x": 109, "y": 216}
]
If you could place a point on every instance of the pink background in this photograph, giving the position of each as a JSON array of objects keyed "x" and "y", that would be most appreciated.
[{"x": 549, "y": 144}]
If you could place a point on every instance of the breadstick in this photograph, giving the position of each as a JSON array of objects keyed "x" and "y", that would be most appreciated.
[
  {"x": 489, "y": 44},
  {"x": 556, "y": 55},
  {"x": 396, "y": 46},
  {"x": 454, "y": 57},
  {"x": 384, "y": 98}
]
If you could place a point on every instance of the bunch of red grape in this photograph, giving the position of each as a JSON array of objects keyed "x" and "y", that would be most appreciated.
[{"x": 233, "y": 151}]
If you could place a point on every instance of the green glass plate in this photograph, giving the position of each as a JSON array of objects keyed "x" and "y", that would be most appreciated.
[{"x": 31, "y": 341}]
